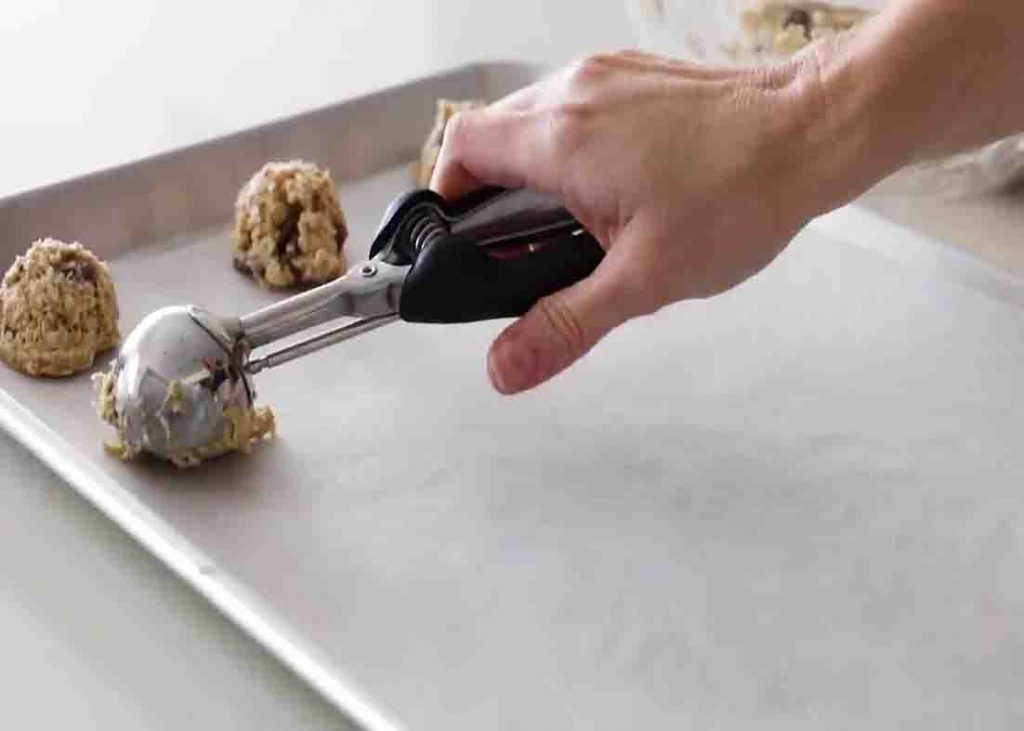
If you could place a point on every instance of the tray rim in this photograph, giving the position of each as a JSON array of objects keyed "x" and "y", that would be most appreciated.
[{"x": 927, "y": 254}]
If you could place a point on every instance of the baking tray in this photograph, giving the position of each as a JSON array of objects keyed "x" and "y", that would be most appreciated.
[{"x": 798, "y": 502}]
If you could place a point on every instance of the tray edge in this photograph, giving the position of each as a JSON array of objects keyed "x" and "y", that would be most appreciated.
[{"x": 924, "y": 253}]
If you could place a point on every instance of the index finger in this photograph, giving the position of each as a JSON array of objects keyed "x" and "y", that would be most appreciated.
[{"x": 494, "y": 146}]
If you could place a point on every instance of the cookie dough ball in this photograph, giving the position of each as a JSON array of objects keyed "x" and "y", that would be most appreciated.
[
  {"x": 289, "y": 228},
  {"x": 58, "y": 310},
  {"x": 423, "y": 169}
]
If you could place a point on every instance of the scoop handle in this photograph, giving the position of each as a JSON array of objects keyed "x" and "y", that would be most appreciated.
[{"x": 490, "y": 255}]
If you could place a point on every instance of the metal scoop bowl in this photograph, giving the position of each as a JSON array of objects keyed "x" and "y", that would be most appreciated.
[{"x": 175, "y": 375}]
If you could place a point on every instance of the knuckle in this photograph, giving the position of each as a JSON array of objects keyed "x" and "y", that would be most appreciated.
[
  {"x": 566, "y": 326},
  {"x": 564, "y": 128},
  {"x": 588, "y": 69},
  {"x": 630, "y": 54},
  {"x": 642, "y": 291},
  {"x": 567, "y": 122},
  {"x": 641, "y": 284},
  {"x": 633, "y": 281},
  {"x": 456, "y": 131}
]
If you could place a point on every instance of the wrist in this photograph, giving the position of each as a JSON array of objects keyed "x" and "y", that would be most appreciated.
[
  {"x": 851, "y": 136},
  {"x": 923, "y": 79}
]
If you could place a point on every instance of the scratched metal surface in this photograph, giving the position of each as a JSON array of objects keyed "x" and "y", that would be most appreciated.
[{"x": 794, "y": 505}]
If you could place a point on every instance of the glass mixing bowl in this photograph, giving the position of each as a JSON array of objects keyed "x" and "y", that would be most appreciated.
[{"x": 748, "y": 32}]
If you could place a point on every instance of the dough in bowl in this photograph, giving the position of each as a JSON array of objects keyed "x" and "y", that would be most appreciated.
[
  {"x": 781, "y": 28},
  {"x": 289, "y": 228},
  {"x": 58, "y": 310}
]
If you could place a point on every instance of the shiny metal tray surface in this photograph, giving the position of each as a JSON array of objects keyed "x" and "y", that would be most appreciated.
[{"x": 797, "y": 503}]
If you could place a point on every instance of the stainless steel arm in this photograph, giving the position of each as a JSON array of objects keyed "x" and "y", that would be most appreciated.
[
  {"x": 369, "y": 290},
  {"x": 318, "y": 342}
]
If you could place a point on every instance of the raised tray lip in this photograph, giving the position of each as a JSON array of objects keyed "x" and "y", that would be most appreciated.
[{"x": 922, "y": 252}]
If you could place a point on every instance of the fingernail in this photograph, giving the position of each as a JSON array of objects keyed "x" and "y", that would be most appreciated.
[{"x": 511, "y": 368}]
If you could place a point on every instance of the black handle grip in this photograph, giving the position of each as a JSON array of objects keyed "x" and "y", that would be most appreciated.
[
  {"x": 502, "y": 217},
  {"x": 492, "y": 254},
  {"x": 454, "y": 279}
]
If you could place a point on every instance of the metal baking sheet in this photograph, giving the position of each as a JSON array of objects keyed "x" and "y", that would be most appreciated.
[{"x": 798, "y": 503}]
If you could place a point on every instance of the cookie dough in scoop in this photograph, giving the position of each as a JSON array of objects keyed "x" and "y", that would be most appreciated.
[{"x": 243, "y": 427}]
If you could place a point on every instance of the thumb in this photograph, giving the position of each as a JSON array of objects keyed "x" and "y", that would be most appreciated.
[{"x": 558, "y": 331}]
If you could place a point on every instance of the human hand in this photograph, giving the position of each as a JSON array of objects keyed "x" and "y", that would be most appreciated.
[{"x": 691, "y": 178}]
